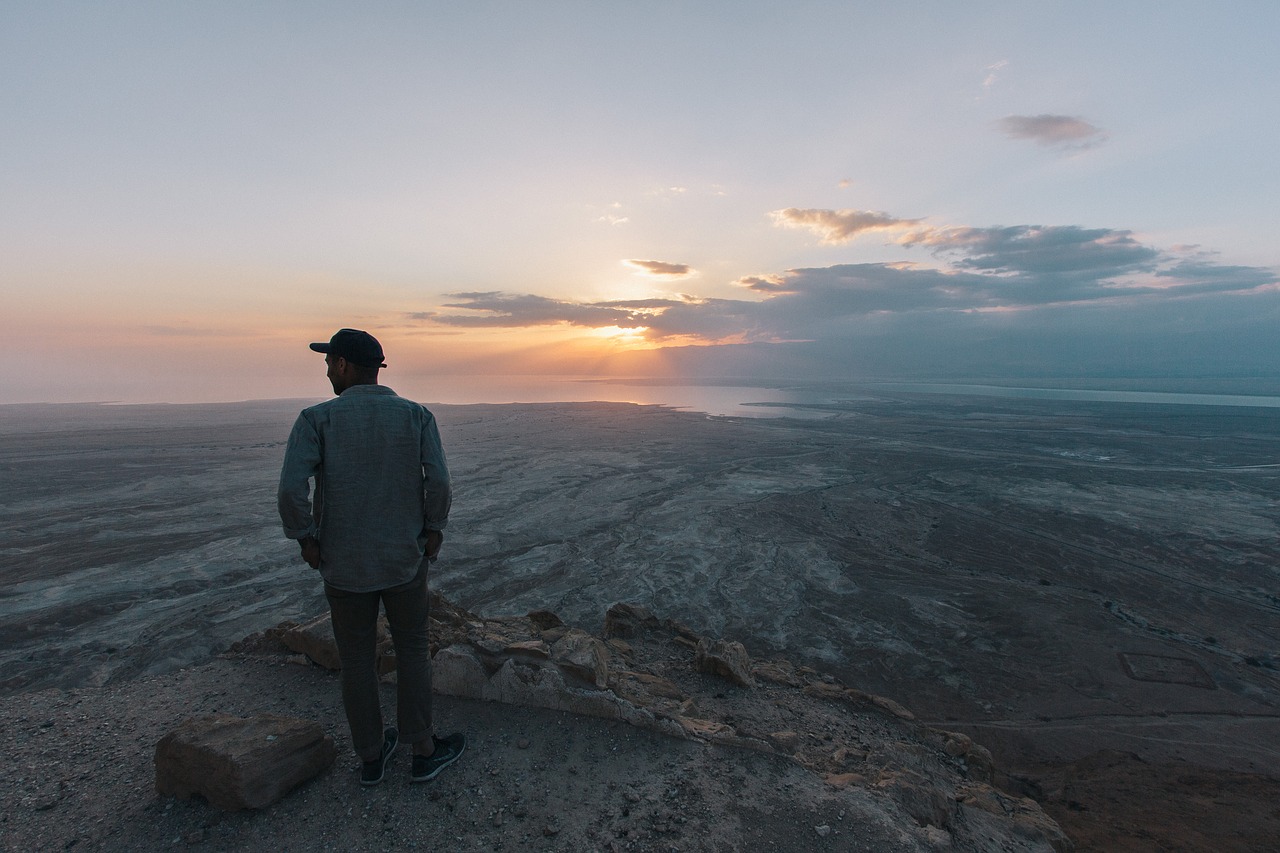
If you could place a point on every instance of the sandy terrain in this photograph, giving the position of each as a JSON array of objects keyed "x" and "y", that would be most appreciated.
[{"x": 1055, "y": 579}]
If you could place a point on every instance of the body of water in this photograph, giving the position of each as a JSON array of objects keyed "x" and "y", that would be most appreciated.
[{"x": 773, "y": 399}]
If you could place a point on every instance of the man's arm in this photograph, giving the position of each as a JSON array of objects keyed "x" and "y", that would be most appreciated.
[
  {"x": 437, "y": 492},
  {"x": 302, "y": 460}
]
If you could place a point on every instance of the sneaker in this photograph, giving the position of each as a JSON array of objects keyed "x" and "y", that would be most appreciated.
[
  {"x": 448, "y": 750},
  {"x": 373, "y": 771}
]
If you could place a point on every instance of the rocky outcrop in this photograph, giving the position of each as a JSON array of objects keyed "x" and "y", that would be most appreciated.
[
  {"x": 661, "y": 675},
  {"x": 240, "y": 762}
]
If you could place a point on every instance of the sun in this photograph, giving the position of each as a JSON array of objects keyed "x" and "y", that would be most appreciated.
[{"x": 633, "y": 338}]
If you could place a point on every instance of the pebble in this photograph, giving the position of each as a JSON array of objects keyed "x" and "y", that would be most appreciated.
[{"x": 823, "y": 831}]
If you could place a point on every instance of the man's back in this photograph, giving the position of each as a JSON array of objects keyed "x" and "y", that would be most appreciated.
[{"x": 381, "y": 483}]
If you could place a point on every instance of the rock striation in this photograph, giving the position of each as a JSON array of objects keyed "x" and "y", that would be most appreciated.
[{"x": 241, "y": 762}]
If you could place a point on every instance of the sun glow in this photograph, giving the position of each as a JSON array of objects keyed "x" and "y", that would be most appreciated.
[{"x": 634, "y": 338}]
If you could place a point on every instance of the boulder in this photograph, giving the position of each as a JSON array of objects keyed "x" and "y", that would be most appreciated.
[
  {"x": 582, "y": 656},
  {"x": 315, "y": 640},
  {"x": 626, "y": 620},
  {"x": 728, "y": 660},
  {"x": 241, "y": 762}
]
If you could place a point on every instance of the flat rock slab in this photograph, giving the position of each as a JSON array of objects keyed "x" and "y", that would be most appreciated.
[{"x": 241, "y": 762}]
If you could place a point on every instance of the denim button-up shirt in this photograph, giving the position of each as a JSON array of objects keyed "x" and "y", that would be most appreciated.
[{"x": 380, "y": 484}]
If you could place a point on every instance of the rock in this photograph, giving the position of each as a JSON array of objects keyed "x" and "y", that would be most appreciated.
[
  {"x": 240, "y": 762},
  {"x": 818, "y": 690},
  {"x": 823, "y": 830},
  {"x": 647, "y": 684},
  {"x": 918, "y": 796},
  {"x": 1021, "y": 813},
  {"x": 840, "y": 781},
  {"x": 545, "y": 619},
  {"x": 777, "y": 672},
  {"x": 938, "y": 838},
  {"x": 533, "y": 648},
  {"x": 458, "y": 671},
  {"x": 957, "y": 744},
  {"x": 314, "y": 639},
  {"x": 703, "y": 728},
  {"x": 625, "y": 620},
  {"x": 892, "y": 707},
  {"x": 981, "y": 766},
  {"x": 728, "y": 660},
  {"x": 784, "y": 742},
  {"x": 582, "y": 656}
]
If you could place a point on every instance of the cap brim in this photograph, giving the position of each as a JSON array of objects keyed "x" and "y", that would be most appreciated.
[{"x": 320, "y": 347}]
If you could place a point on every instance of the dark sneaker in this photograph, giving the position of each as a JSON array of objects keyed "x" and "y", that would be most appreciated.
[
  {"x": 448, "y": 749},
  {"x": 373, "y": 771}
]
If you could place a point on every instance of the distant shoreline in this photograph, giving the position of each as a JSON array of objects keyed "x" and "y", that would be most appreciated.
[{"x": 756, "y": 397}]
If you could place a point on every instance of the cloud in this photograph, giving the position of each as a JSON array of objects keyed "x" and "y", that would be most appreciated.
[
  {"x": 495, "y": 309},
  {"x": 993, "y": 73},
  {"x": 764, "y": 283},
  {"x": 661, "y": 269},
  {"x": 1050, "y": 250},
  {"x": 839, "y": 226},
  {"x": 1051, "y": 130},
  {"x": 1012, "y": 295}
]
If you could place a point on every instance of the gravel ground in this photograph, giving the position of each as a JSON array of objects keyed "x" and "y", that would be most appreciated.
[{"x": 77, "y": 774}]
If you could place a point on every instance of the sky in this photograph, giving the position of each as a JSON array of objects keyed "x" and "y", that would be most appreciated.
[{"x": 192, "y": 192}]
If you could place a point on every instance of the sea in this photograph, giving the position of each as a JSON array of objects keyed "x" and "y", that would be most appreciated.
[{"x": 807, "y": 398}]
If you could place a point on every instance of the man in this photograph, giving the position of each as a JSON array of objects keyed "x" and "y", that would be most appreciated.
[{"x": 382, "y": 498}]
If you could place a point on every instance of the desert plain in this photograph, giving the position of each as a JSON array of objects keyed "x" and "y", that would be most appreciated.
[{"x": 1090, "y": 589}]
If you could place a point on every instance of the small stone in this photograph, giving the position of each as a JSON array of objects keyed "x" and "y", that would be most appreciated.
[
  {"x": 727, "y": 660},
  {"x": 823, "y": 831},
  {"x": 784, "y": 742},
  {"x": 550, "y": 831},
  {"x": 523, "y": 743}
]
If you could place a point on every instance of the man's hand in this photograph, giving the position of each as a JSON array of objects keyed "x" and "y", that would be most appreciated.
[
  {"x": 310, "y": 551},
  {"x": 434, "y": 540}
]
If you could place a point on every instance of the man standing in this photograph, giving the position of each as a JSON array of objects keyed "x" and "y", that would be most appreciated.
[{"x": 382, "y": 498}]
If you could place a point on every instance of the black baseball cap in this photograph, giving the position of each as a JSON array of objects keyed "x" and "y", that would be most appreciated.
[{"x": 355, "y": 346}]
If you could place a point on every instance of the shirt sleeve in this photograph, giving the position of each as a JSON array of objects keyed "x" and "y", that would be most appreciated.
[
  {"x": 437, "y": 493},
  {"x": 301, "y": 462}
]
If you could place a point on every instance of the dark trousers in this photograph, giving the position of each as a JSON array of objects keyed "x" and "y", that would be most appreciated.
[{"x": 355, "y": 630}]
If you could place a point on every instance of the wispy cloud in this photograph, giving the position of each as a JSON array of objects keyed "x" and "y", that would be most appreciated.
[
  {"x": 496, "y": 309},
  {"x": 993, "y": 73},
  {"x": 1053, "y": 130},
  {"x": 661, "y": 269},
  {"x": 839, "y": 226}
]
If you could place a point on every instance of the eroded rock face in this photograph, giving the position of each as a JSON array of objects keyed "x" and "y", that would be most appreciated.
[{"x": 240, "y": 762}]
